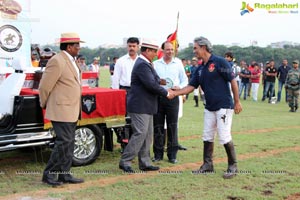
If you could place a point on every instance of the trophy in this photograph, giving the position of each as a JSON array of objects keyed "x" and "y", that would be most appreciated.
[{"x": 169, "y": 83}]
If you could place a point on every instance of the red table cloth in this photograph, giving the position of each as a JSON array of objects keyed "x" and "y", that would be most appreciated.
[{"x": 99, "y": 105}]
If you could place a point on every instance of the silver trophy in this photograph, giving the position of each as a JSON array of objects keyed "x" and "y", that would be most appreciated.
[{"x": 169, "y": 83}]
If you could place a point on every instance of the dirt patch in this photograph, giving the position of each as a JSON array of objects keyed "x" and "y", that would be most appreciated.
[
  {"x": 235, "y": 198},
  {"x": 293, "y": 197},
  {"x": 247, "y": 188},
  {"x": 178, "y": 196},
  {"x": 271, "y": 185},
  {"x": 267, "y": 192},
  {"x": 138, "y": 177},
  {"x": 265, "y": 130}
]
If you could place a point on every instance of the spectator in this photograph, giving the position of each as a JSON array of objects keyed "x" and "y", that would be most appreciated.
[
  {"x": 34, "y": 59},
  {"x": 292, "y": 85},
  {"x": 264, "y": 69},
  {"x": 112, "y": 68},
  {"x": 196, "y": 91},
  {"x": 82, "y": 63},
  {"x": 94, "y": 66},
  {"x": 281, "y": 75},
  {"x": 245, "y": 76},
  {"x": 123, "y": 67},
  {"x": 122, "y": 77},
  {"x": 250, "y": 68},
  {"x": 271, "y": 73},
  {"x": 45, "y": 56},
  {"x": 254, "y": 77}
]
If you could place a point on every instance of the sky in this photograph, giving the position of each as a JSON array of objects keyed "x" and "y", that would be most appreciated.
[{"x": 109, "y": 21}]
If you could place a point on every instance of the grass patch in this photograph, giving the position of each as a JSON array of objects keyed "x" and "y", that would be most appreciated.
[{"x": 259, "y": 131}]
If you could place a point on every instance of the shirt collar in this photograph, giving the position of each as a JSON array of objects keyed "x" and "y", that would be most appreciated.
[
  {"x": 144, "y": 58},
  {"x": 128, "y": 57},
  {"x": 163, "y": 61},
  {"x": 69, "y": 56}
]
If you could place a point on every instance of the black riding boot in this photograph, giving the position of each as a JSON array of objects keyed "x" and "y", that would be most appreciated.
[
  {"x": 232, "y": 166},
  {"x": 207, "y": 166},
  {"x": 196, "y": 98}
]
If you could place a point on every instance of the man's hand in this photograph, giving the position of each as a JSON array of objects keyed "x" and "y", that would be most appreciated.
[
  {"x": 163, "y": 82},
  {"x": 175, "y": 88},
  {"x": 237, "y": 107},
  {"x": 171, "y": 94},
  {"x": 183, "y": 98}
]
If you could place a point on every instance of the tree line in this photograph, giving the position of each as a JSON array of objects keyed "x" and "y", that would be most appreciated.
[{"x": 248, "y": 54}]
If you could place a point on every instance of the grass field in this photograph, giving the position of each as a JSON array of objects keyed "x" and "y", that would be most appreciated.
[{"x": 267, "y": 141}]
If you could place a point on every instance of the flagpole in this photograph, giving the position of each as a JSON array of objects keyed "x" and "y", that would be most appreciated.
[
  {"x": 177, "y": 20},
  {"x": 176, "y": 45}
]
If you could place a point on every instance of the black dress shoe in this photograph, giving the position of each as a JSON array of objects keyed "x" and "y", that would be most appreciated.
[
  {"x": 173, "y": 161},
  {"x": 156, "y": 159},
  {"x": 51, "y": 181},
  {"x": 182, "y": 148},
  {"x": 126, "y": 169},
  {"x": 72, "y": 180},
  {"x": 150, "y": 168}
]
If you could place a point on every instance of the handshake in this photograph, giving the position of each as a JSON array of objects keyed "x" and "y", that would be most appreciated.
[
  {"x": 171, "y": 88},
  {"x": 171, "y": 93}
]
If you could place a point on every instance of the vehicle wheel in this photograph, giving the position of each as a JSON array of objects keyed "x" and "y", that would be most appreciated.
[{"x": 88, "y": 144}]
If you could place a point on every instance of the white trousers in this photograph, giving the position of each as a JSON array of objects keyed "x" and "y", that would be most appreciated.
[
  {"x": 217, "y": 122},
  {"x": 254, "y": 88}
]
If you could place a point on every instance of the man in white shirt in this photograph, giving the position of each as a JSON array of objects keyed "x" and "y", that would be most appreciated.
[
  {"x": 172, "y": 70},
  {"x": 121, "y": 78},
  {"x": 123, "y": 67},
  {"x": 94, "y": 67}
]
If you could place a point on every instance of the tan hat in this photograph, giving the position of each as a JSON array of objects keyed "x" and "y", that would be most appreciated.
[
  {"x": 70, "y": 38},
  {"x": 151, "y": 44},
  {"x": 296, "y": 61},
  {"x": 194, "y": 59}
]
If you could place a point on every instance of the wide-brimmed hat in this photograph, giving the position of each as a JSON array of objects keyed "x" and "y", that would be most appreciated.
[
  {"x": 70, "y": 38},
  {"x": 47, "y": 52},
  {"x": 149, "y": 43}
]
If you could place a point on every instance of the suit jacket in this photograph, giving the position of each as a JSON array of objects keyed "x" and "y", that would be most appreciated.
[
  {"x": 145, "y": 89},
  {"x": 60, "y": 90}
]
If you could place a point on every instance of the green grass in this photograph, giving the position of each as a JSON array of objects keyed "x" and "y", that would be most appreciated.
[{"x": 257, "y": 131}]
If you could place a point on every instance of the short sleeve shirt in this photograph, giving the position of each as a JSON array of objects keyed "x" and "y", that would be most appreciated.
[
  {"x": 214, "y": 77},
  {"x": 271, "y": 78}
]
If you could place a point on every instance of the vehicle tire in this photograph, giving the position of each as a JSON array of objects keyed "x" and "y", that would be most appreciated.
[{"x": 88, "y": 144}]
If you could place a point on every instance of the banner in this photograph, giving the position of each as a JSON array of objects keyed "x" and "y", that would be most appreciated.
[{"x": 15, "y": 30}]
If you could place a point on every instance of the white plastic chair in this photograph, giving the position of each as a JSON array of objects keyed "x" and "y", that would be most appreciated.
[{"x": 12, "y": 86}]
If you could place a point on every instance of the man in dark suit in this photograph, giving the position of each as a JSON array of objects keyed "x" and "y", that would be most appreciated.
[
  {"x": 60, "y": 94},
  {"x": 142, "y": 104}
]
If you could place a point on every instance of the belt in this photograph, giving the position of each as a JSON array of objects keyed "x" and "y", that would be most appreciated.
[
  {"x": 124, "y": 87},
  {"x": 294, "y": 84}
]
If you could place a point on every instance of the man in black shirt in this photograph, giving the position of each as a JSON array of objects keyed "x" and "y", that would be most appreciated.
[
  {"x": 271, "y": 73},
  {"x": 245, "y": 76},
  {"x": 281, "y": 75}
]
